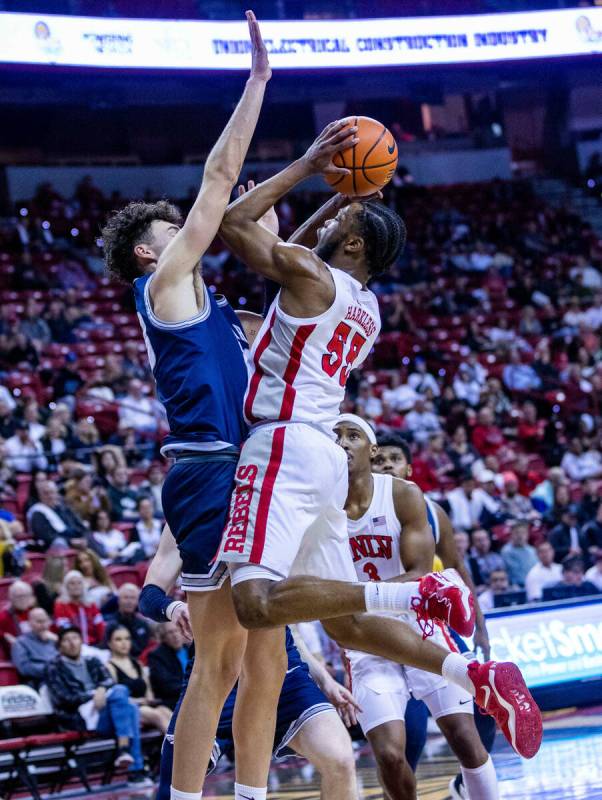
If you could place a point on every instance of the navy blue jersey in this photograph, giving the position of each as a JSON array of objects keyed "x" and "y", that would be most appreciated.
[
  {"x": 200, "y": 370},
  {"x": 433, "y": 518}
]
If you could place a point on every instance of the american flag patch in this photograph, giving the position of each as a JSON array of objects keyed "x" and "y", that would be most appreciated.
[{"x": 379, "y": 524}]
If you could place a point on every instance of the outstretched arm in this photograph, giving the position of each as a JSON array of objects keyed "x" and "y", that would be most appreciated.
[
  {"x": 264, "y": 252},
  {"x": 172, "y": 286}
]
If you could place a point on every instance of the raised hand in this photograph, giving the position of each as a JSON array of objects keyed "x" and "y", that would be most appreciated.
[
  {"x": 336, "y": 137},
  {"x": 260, "y": 65},
  {"x": 270, "y": 218}
]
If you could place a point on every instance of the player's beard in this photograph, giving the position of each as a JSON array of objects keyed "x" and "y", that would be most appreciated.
[{"x": 326, "y": 250}]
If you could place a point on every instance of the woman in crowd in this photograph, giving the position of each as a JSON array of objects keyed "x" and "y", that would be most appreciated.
[
  {"x": 98, "y": 584},
  {"x": 50, "y": 585},
  {"x": 148, "y": 528},
  {"x": 107, "y": 541},
  {"x": 83, "y": 497},
  {"x": 72, "y": 608},
  {"x": 39, "y": 477},
  {"x": 127, "y": 670}
]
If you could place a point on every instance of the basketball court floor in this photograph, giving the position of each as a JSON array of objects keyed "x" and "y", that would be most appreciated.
[{"x": 568, "y": 767}]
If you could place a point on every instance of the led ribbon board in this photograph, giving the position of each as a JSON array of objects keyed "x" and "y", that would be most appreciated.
[
  {"x": 551, "y": 645},
  {"x": 315, "y": 44}
]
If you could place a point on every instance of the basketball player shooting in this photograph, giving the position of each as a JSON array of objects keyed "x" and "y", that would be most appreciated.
[{"x": 287, "y": 513}]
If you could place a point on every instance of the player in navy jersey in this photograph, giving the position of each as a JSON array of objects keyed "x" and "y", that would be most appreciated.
[
  {"x": 196, "y": 349},
  {"x": 306, "y": 723},
  {"x": 394, "y": 457}
]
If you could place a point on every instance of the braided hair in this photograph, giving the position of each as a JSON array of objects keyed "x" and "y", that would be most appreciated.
[{"x": 384, "y": 234}]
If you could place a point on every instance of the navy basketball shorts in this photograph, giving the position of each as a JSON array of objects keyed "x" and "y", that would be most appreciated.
[
  {"x": 300, "y": 700},
  {"x": 196, "y": 498}
]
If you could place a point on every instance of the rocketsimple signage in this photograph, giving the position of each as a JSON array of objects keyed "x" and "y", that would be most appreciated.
[
  {"x": 300, "y": 44},
  {"x": 554, "y": 644}
]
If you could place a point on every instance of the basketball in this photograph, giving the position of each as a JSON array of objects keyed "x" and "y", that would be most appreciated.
[{"x": 372, "y": 160}]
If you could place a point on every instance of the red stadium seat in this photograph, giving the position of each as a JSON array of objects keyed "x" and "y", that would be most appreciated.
[
  {"x": 8, "y": 674},
  {"x": 121, "y": 575},
  {"x": 37, "y": 562}
]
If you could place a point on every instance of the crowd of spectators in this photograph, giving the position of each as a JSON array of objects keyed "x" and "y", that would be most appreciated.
[{"x": 489, "y": 366}]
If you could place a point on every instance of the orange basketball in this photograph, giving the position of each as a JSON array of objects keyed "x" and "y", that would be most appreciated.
[{"x": 372, "y": 160}]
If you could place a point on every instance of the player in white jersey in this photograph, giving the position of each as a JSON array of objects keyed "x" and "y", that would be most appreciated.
[
  {"x": 287, "y": 512},
  {"x": 388, "y": 539}
]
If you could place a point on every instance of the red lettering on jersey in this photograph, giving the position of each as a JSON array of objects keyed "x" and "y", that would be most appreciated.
[
  {"x": 363, "y": 319},
  {"x": 238, "y": 521},
  {"x": 367, "y": 546}
]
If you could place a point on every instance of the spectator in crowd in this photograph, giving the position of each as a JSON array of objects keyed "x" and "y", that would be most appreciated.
[
  {"x": 148, "y": 528},
  {"x": 573, "y": 577},
  {"x": 72, "y": 609},
  {"x": 590, "y": 502},
  {"x": 580, "y": 465},
  {"x": 22, "y": 452},
  {"x": 519, "y": 556},
  {"x": 121, "y": 496},
  {"x": 531, "y": 430},
  {"x": 50, "y": 585},
  {"x": 467, "y": 503},
  {"x": 127, "y": 616},
  {"x": 545, "y": 494},
  {"x": 594, "y": 573},
  {"x": 54, "y": 441},
  {"x": 31, "y": 415},
  {"x": 126, "y": 670},
  {"x": 545, "y": 573},
  {"x": 83, "y": 498},
  {"x": 401, "y": 396},
  {"x": 529, "y": 325},
  {"x": 14, "y": 619},
  {"x": 512, "y": 503},
  {"x": 487, "y": 561},
  {"x": 136, "y": 410},
  {"x": 12, "y": 555},
  {"x": 167, "y": 664},
  {"x": 592, "y": 535},
  {"x": 498, "y": 584},
  {"x": 68, "y": 380},
  {"x": 33, "y": 325},
  {"x": 461, "y": 451},
  {"x": 421, "y": 380},
  {"x": 107, "y": 541},
  {"x": 565, "y": 537},
  {"x": 466, "y": 386},
  {"x": 99, "y": 587},
  {"x": 153, "y": 486},
  {"x": 52, "y": 523},
  {"x": 462, "y": 540},
  {"x": 421, "y": 422},
  {"x": 437, "y": 458},
  {"x": 131, "y": 365},
  {"x": 106, "y": 460},
  {"x": 519, "y": 377},
  {"x": 367, "y": 404},
  {"x": 486, "y": 436},
  {"x": 86, "y": 439},
  {"x": 85, "y": 697},
  {"x": 34, "y": 650},
  {"x": 8, "y": 423}
]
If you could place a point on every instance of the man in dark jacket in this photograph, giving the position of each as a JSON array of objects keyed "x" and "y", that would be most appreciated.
[
  {"x": 566, "y": 538},
  {"x": 167, "y": 664},
  {"x": 86, "y": 698},
  {"x": 53, "y": 523}
]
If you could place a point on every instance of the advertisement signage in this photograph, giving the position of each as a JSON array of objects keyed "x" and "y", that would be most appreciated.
[
  {"x": 554, "y": 644},
  {"x": 298, "y": 44}
]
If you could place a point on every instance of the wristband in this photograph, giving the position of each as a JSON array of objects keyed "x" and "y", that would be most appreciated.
[{"x": 153, "y": 603}]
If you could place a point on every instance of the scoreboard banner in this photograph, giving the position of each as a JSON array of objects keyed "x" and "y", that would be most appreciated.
[
  {"x": 108, "y": 42},
  {"x": 554, "y": 643}
]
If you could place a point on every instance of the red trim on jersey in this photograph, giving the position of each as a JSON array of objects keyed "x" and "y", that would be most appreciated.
[
  {"x": 265, "y": 496},
  {"x": 259, "y": 373},
  {"x": 292, "y": 368},
  {"x": 446, "y": 635}
]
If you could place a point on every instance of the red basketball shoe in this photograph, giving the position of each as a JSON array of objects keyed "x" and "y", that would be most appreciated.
[
  {"x": 502, "y": 693},
  {"x": 444, "y": 596}
]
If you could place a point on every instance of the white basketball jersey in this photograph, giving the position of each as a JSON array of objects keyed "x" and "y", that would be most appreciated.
[
  {"x": 374, "y": 539},
  {"x": 301, "y": 366}
]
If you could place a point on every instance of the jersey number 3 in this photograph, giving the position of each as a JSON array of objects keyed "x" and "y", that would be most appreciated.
[{"x": 332, "y": 360}]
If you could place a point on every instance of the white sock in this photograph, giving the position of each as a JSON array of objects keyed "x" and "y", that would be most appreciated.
[
  {"x": 242, "y": 792},
  {"x": 455, "y": 669},
  {"x": 176, "y": 794},
  {"x": 481, "y": 783},
  {"x": 392, "y": 597}
]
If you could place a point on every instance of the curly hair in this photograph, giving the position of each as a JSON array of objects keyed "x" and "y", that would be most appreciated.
[
  {"x": 129, "y": 227},
  {"x": 384, "y": 234}
]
